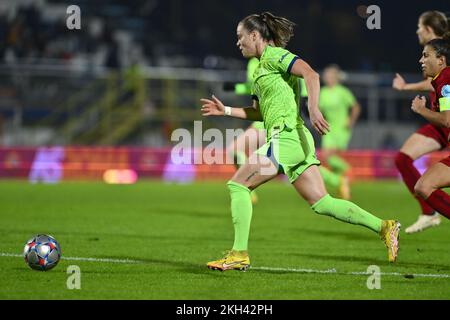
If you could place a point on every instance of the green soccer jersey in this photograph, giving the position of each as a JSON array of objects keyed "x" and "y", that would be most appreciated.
[
  {"x": 276, "y": 89},
  {"x": 335, "y": 103}
]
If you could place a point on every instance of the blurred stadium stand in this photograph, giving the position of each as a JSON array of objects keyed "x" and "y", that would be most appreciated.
[{"x": 136, "y": 71}]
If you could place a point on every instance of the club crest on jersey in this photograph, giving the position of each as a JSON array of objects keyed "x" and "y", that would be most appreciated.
[{"x": 445, "y": 92}]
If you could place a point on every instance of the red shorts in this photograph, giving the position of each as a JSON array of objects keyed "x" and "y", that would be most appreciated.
[
  {"x": 439, "y": 134},
  {"x": 446, "y": 161}
]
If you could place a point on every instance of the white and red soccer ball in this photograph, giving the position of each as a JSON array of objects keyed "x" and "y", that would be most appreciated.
[{"x": 42, "y": 252}]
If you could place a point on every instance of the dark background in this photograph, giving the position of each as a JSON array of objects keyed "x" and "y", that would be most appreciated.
[{"x": 328, "y": 31}]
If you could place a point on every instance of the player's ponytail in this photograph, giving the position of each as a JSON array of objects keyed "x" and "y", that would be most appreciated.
[
  {"x": 280, "y": 28},
  {"x": 272, "y": 28}
]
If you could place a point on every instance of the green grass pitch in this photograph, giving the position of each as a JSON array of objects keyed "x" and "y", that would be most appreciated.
[{"x": 168, "y": 232}]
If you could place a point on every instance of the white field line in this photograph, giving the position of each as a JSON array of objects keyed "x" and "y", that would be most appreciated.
[
  {"x": 107, "y": 260},
  {"x": 353, "y": 273},
  {"x": 296, "y": 270}
]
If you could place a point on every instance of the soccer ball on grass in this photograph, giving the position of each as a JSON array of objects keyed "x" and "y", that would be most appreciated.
[{"x": 42, "y": 252}]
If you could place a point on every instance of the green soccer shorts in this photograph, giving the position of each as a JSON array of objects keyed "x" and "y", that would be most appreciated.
[
  {"x": 336, "y": 139},
  {"x": 291, "y": 150}
]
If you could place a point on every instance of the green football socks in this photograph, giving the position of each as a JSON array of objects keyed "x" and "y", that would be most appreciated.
[
  {"x": 346, "y": 211},
  {"x": 241, "y": 212}
]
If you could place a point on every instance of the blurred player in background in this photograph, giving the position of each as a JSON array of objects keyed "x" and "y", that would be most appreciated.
[
  {"x": 255, "y": 135},
  {"x": 341, "y": 110},
  {"x": 290, "y": 146},
  {"x": 429, "y": 138},
  {"x": 435, "y": 63}
]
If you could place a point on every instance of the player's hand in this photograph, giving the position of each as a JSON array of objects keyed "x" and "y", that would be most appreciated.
[
  {"x": 318, "y": 121},
  {"x": 418, "y": 104},
  {"x": 212, "y": 107},
  {"x": 398, "y": 82}
]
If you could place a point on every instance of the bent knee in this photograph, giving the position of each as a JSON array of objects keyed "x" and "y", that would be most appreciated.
[
  {"x": 423, "y": 189},
  {"x": 240, "y": 179}
]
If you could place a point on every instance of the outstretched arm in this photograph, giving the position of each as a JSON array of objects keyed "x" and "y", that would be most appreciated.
[
  {"x": 400, "y": 84},
  {"x": 302, "y": 69},
  {"x": 215, "y": 107},
  {"x": 441, "y": 119}
]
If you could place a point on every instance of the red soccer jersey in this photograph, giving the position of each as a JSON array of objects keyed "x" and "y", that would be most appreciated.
[
  {"x": 432, "y": 96},
  {"x": 441, "y": 85}
]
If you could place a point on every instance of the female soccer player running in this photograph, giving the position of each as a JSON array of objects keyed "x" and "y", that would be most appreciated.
[
  {"x": 290, "y": 146},
  {"x": 429, "y": 138},
  {"x": 255, "y": 135},
  {"x": 435, "y": 63},
  {"x": 335, "y": 102}
]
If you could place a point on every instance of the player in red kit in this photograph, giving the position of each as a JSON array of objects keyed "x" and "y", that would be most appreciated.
[
  {"x": 435, "y": 63},
  {"x": 429, "y": 138}
]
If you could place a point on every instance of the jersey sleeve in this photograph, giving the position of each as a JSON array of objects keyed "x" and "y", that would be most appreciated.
[{"x": 285, "y": 61}]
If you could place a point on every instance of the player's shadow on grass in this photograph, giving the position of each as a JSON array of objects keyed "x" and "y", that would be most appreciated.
[
  {"x": 175, "y": 265},
  {"x": 345, "y": 235},
  {"x": 350, "y": 258}
]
